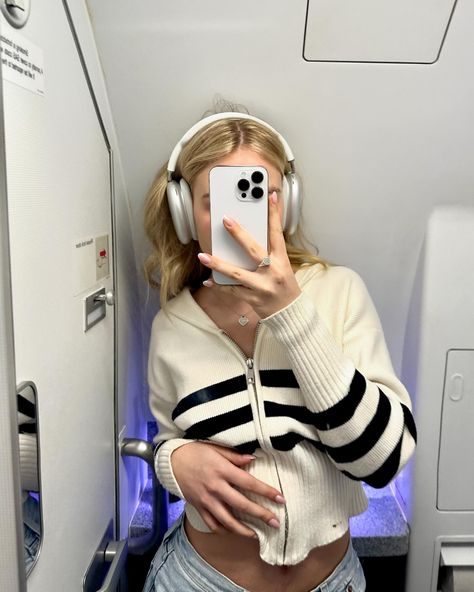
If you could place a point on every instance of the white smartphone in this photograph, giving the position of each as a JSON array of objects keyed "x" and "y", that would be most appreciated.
[{"x": 241, "y": 193}]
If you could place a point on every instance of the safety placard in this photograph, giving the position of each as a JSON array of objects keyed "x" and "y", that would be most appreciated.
[
  {"x": 22, "y": 61},
  {"x": 91, "y": 262}
]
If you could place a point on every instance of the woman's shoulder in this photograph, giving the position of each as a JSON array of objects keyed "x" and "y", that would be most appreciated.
[
  {"x": 182, "y": 311},
  {"x": 338, "y": 287},
  {"x": 329, "y": 275},
  {"x": 173, "y": 307}
]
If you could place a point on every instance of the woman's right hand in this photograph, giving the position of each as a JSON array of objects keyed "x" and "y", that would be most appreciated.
[{"x": 208, "y": 475}]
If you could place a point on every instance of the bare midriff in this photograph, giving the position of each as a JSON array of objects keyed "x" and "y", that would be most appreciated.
[{"x": 238, "y": 558}]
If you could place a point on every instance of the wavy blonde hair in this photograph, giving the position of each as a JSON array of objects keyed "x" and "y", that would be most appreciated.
[{"x": 177, "y": 264}]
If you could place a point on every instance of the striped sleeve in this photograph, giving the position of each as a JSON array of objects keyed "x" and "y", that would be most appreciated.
[
  {"x": 28, "y": 439},
  {"x": 360, "y": 408},
  {"x": 162, "y": 401}
]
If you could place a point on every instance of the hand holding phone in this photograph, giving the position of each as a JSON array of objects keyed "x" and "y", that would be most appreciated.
[{"x": 241, "y": 193}]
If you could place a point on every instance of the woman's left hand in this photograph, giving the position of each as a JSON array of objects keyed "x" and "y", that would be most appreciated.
[{"x": 269, "y": 288}]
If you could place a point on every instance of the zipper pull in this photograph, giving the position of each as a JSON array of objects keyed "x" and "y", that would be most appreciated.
[{"x": 250, "y": 371}]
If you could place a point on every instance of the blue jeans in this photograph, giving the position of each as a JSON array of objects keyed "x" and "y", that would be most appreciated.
[
  {"x": 31, "y": 530},
  {"x": 177, "y": 567}
]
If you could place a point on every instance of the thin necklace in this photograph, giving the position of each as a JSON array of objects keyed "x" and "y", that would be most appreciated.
[{"x": 243, "y": 318}]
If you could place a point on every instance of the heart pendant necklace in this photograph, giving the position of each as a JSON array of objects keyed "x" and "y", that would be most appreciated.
[{"x": 243, "y": 319}]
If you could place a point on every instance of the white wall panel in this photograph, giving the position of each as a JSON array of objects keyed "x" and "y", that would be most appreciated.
[{"x": 132, "y": 407}]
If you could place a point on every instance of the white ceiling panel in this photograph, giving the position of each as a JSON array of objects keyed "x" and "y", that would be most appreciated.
[{"x": 403, "y": 31}]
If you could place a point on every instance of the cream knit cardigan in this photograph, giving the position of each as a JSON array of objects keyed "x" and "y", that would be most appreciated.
[{"x": 319, "y": 405}]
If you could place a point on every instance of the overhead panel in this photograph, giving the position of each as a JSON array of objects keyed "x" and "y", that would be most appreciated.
[{"x": 384, "y": 31}]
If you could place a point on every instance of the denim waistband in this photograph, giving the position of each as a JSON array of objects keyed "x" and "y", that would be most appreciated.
[
  {"x": 211, "y": 580},
  {"x": 341, "y": 574},
  {"x": 197, "y": 568}
]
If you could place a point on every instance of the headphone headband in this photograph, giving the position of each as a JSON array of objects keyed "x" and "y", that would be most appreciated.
[{"x": 216, "y": 117}]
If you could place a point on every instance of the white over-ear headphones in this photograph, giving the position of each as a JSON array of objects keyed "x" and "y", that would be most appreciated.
[{"x": 179, "y": 192}]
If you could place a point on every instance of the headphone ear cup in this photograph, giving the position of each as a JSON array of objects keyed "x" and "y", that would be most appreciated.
[
  {"x": 187, "y": 199},
  {"x": 181, "y": 207},
  {"x": 285, "y": 194},
  {"x": 291, "y": 202}
]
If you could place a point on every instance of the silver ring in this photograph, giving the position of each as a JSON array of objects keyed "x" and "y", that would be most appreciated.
[{"x": 265, "y": 262}]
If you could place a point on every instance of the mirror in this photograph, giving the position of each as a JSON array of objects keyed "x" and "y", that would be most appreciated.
[{"x": 27, "y": 405}]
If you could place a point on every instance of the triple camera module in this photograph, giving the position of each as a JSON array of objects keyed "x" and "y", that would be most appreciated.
[{"x": 256, "y": 191}]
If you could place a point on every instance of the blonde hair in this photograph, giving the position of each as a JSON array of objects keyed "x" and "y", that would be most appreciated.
[{"x": 178, "y": 264}]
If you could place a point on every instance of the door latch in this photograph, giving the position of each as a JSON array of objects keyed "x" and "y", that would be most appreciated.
[{"x": 16, "y": 12}]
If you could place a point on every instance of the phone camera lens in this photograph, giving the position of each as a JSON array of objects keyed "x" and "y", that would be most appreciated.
[
  {"x": 257, "y": 177},
  {"x": 243, "y": 184},
  {"x": 244, "y": 194},
  {"x": 257, "y": 192}
]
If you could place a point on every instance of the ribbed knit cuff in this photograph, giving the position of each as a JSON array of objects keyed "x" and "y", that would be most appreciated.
[
  {"x": 163, "y": 467},
  {"x": 323, "y": 372}
]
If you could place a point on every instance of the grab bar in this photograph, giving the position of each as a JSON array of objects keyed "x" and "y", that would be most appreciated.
[{"x": 141, "y": 544}]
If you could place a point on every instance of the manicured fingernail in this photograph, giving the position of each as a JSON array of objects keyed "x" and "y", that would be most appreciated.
[
  {"x": 280, "y": 499},
  {"x": 204, "y": 259},
  {"x": 274, "y": 197},
  {"x": 254, "y": 536},
  {"x": 249, "y": 457},
  {"x": 274, "y": 523},
  {"x": 208, "y": 283},
  {"x": 229, "y": 222}
]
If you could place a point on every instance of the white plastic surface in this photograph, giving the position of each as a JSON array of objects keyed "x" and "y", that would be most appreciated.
[
  {"x": 439, "y": 374},
  {"x": 455, "y": 468},
  {"x": 376, "y": 30},
  {"x": 58, "y": 178},
  {"x": 457, "y": 554}
]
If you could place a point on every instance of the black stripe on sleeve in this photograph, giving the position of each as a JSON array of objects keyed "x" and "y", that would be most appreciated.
[
  {"x": 210, "y": 393},
  {"x": 342, "y": 411},
  {"x": 247, "y": 447},
  {"x": 301, "y": 414},
  {"x": 203, "y": 430},
  {"x": 26, "y": 407},
  {"x": 368, "y": 439},
  {"x": 278, "y": 378},
  {"x": 288, "y": 441},
  {"x": 409, "y": 422},
  {"x": 384, "y": 474},
  {"x": 157, "y": 447},
  {"x": 27, "y": 428}
]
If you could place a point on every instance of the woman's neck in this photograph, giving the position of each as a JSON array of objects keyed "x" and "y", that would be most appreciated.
[{"x": 233, "y": 316}]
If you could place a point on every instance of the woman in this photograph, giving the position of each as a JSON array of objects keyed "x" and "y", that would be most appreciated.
[{"x": 267, "y": 426}]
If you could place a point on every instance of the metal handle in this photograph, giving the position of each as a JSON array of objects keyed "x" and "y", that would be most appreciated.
[
  {"x": 141, "y": 544},
  {"x": 116, "y": 555},
  {"x": 139, "y": 448},
  {"x": 108, "y": 552},
  {"x": 108, "y": 298},
  {"x": 20, "y": 4},
  {"x": 16, "y": 12}
]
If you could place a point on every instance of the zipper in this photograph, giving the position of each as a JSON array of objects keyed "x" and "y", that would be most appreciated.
[
  {"x": 287, "y": 519},
  {"x": 250, "y": 376},
  {"x": 237, "y": 346},
  {"x": 250, "y": 370},
  {"x": 251, "y": 382}
]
